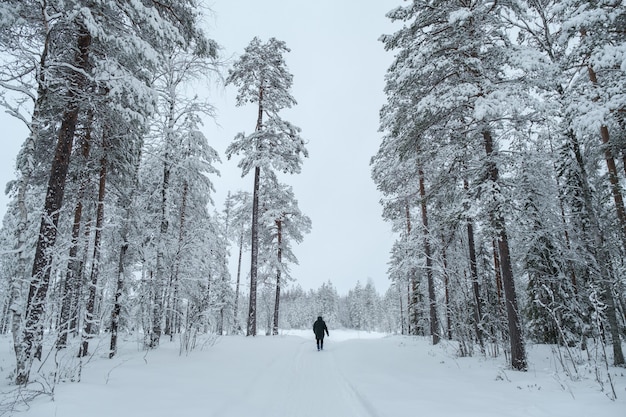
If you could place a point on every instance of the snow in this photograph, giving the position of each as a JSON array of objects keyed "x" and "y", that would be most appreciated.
[
  {"x": 459, "y": 16},
  {"x": 357, "y": 374}
]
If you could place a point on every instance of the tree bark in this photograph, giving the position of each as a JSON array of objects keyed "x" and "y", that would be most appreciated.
[
  {"x": 410, "y": 306},
  {"x": 518, "y": 352},
  {"x": 33, "y": 327},
  {"x": 609, "y": 299},
  {"x": 254, "y": 248},
  {"x": 26, "y": 169},
  {"x": 400, "y": 296},
  {"x": 498, "y": 271},
  {"x": 251, "y": 330},
  {"x": 564, "y": 222},
  {"x": 612, "y": 169},
  {"x": 126, "y": 200},
  {"x": 236, "y": 307},
  {"x": 446, "y": 284},
  {"x": 174, "y": 312},
  {"x": 432, "y": 300},
  {"x": 279, "y": 225},
  {"x": 225, "y": 277},
  {"x": 119, "y": 290},
  {"x": 602, "y": 257},
  {"x": 90, "y": 319},
  {"x": 72, "y": 282},
  {"x": 157, "y": 310},
  {"x": 478, "y": 315},
  {"x": 412, "y": 284}
]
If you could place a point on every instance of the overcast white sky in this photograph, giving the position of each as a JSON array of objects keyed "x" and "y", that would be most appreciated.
[{"x": 338, "y": 66}]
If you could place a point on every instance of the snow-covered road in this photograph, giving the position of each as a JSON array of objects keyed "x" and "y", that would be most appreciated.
[
  {"x": 295, "y": 380},
  {"x": 286, "y": 376}
]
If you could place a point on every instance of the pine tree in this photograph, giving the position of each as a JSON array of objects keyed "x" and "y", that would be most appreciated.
[
  {"x": 573, "y": 41},
  {"x": 446, "y": 82},
  {"x": 261, "y": 77},
  {"x": 283, "y": 223}
]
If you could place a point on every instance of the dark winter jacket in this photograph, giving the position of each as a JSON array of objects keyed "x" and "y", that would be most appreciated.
[{"x": 319, "y": 327}]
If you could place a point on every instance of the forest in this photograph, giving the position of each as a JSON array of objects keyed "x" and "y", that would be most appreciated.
[
  {"x": 502, "y": 131},
  {"x": 501, "y": 166}
]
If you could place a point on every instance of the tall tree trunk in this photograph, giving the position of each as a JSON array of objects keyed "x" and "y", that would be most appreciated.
[
  {"x": 498, "y": 272},
  {"x": 412, "y": 283},
  {"x": 432, "y": 300},
  {"x": 518, "y": 352},
  {"x": 410, "y": 311},
  {"x": 225, "y": 277},
  {"x": 599, "y": 251},
  {"x": 77, "y": 291},
  {"x": 251, "y": 330},
  {"x": 119, "y": 291},
  {"x": 25, "y": 166},
  {"x": 611, "y": 167},
  {"x": 71, "y": 282},
  {"x": 615, "y": 183},
  {"x": 478, "y": 315},
  {"x": 236, "y": 307},
  {"x": 446, "y": 284},
  {"x": 174, "y": 312},
  {"x": 71, "y": 275},
  {"x": 206, "y": 302},
  {"x": 618, "y": 355},
  {"x": 254, "y": 248},
  {"x": 564, "y": 222},
  {"x": 126, "y": 200},
  {"x": 158, "y": 284},
  {"x": 90, "y": 319},
  {"x": 34, "y": 317},
  {"x": 400, "y": 296},
  {"x": 279, "y": 226}
]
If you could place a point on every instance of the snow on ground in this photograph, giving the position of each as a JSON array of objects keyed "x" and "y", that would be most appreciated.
[{"x": 358, "y": 374}]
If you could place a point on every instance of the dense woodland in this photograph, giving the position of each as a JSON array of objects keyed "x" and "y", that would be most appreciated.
[
  {"x": 502, "y": 163},
  {"x": 503, "y": 129}
]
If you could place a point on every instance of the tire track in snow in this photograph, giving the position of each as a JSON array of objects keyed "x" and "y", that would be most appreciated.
[
  {"x": 323, "y": 389},
  {"x": 266, "y": 386},
  {"x": 295, "y": 381},
  {"x": 363, "y": 406}
]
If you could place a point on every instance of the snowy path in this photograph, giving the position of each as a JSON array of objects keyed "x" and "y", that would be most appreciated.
[
  {"x": 286, "y": 376},
  {"x": 296, "y": 382}
]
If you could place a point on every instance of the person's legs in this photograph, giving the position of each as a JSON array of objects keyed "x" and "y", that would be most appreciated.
[
  {"x": 322, "y": 343},
  {"x": 318, "y": 343}
]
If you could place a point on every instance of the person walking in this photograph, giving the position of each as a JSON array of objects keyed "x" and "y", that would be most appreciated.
[{"x": 319, "y": 327}]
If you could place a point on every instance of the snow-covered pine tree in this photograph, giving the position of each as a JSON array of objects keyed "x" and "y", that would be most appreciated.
[
  {"x": 262, "y": 78},
  {"x": 283, "y": 224},
  {"x": 28, "y": 79},
  {"x": 448, "y": 73},
  {"x": 81, "y": 42},
  {"x": 595, "y": 30},
  {"x": 327, "y": 303},
  {"x": 39, "y": 284},
  {"x": 395, "y": 174},
  {"x": 561, "y": 42}
]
